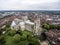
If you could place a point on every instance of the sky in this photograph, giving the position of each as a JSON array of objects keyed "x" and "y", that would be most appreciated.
[{"x": 29, "y": 5}]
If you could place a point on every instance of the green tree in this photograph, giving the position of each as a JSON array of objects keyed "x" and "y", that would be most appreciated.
[
  {"x": 9, "y": 41},
  {"x": 11, "y": 33},
  {"x": 44, "y": 30},
  {"x": 52, "y": 26},
  {"x": 16, "y": 38},
  {"x": 8, "y": 25},
  {"x": 2, "y": 41},
  {"x": 58, "y": 27},
  {"x": 43, "y": 37},
  {"x": 13, "y": 37},
  {"x": 46, "y": 26}
]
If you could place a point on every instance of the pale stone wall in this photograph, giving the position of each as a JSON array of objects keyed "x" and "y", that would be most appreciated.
[
  {"x": 29, "y": 27},
  {"x": 37, "y": 27}
]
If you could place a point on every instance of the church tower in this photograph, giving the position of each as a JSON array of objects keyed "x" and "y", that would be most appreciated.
[{"x": 37, "y": 26}]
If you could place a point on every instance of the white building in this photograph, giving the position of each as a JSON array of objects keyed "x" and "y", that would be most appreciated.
[
  {"x": 27, "y": 24},
  {"x": 20, "y": 24},
  {"x": 17, "y": 24},
  {"x": 24, "y": 18}
]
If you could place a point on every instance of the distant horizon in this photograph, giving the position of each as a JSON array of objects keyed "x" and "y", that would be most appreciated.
[{"x": 29, "y": 10}]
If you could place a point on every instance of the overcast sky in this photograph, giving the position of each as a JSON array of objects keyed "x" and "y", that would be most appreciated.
[{"x": 29, "y": 5}]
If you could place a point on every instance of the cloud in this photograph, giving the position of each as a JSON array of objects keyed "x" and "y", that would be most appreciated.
[{"x": 29, "y": 4}]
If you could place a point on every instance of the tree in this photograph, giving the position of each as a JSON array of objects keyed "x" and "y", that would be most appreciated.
[
  {"x": 58, "y": 27},
  {"x": 11, "y": 33},
  {"x": 9, "y": 41},
  {"x": 8, "y": 25},
  {"x": 43, "y": 37},
  {"x": 16, "y": 38},
  {"x": 0, "y": 32},
  {"x": 34, "y": 41},
  {"x": 13, "y": 37},
  {"x": 2, "y": 41},
  {"x": 44, "y": 30},
  {"x": 46, "y": 26},
  {"x": 52, "y": 26}
]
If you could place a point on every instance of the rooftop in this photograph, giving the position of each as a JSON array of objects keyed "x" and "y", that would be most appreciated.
[
  {"x": 29, "y": 22},
  {"x": 53, "y": 36}
]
